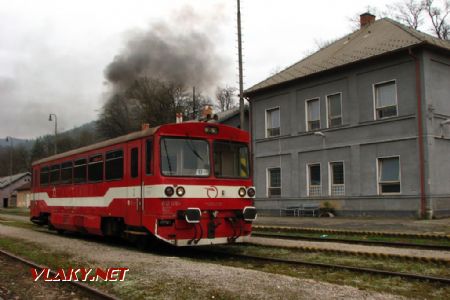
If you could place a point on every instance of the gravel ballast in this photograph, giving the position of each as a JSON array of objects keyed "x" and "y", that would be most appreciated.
[{"x": 170, "y": 275}]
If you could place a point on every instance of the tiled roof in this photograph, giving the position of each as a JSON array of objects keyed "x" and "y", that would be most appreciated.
[
  {"x": 5, "y": 181},
  {"x": 225, "y": 115},
  {"x": 381, "y": 37}
]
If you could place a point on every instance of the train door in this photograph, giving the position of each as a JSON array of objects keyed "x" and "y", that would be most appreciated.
[{"x": 134, "y": 186}]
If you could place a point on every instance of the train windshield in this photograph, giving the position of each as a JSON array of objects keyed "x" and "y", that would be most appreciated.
[
  {"x": 231, "y": 160},
  {"x": 184, "y": 157}
]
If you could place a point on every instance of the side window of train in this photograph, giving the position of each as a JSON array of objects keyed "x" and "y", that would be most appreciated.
[
  {"x": 55, "y": 174},
  {"x": 148, "y": 156},
  {"x": 66, "y": 172},
  {"x": 134, "y": 165},
  {"x": 114, "y": 165},
  {"x": 35, "y": 178},
  {"x": 80, "y": 170},
  {"x": 95, "y": 168},
  {"x": 44, "y": 176}
]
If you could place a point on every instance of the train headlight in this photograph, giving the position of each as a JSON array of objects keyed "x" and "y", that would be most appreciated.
[
  {"x": 180, "y": 191},
  {"x": 251, "y": 192},
  {"x": 242, "y": 192},
  {"x": 169, "y": 191}
]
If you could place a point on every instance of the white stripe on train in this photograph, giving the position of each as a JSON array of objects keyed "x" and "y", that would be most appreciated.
[{"x": 148, "y": 191}]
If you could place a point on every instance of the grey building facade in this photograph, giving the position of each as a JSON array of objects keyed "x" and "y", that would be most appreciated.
[{"x": 363, "y": 124}]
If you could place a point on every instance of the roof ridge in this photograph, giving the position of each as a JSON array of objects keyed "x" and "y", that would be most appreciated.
[
  {"x": 411, "y": 31},
  {"x": 308, "y": 56},
  {"x": 381, "y": 37}
]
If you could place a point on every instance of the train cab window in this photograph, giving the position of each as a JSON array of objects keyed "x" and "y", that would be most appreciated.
[
  {"x": 66, "y": 172},
  {"x": 148, "y": 156},
  {"x": 79, "y": 170},
  {"x": 114, "y": 165},
  {"x": 95, "y": 168},
  {"x": 231, "y": 160},
  {"x": 134, "y": 165},
  {"x": 55, "y": 174},
  {"x": 44, "y": 176},
  {"x": 184, "y": 157}
]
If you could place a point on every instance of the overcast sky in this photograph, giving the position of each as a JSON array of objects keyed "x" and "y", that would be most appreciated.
[{"x": 53, "y": 53}]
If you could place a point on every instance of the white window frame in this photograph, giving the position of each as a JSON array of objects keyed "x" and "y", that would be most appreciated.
[
  {"x": 308, "y": 181},
  {"x": 306, "y": 114},
  {"x": 266, "y": 123},
  {"x": 330, "y": 176},
  {"x": 327, "y": 109},
  {"x": 399, "y": 174},
  {"x": 268, "y": 180},
  {"x": 375, "y": 99}
]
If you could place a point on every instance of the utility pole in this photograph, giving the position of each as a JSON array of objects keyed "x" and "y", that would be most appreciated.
[
  {"x": 241, "y": 83},
  {"x": 56, "y": 130},
  {"x": 193, "y": 103},
  {"x": 10, "y": 140}
]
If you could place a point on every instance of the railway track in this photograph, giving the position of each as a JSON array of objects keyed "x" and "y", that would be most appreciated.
[
  {"x": 349, "y": 241},
  {"x": 83, "y": 286},
  {"x": 268, "y": 260},
  {"x": 352, "y": 232}
]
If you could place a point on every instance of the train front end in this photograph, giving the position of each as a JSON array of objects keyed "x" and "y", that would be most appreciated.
[{"x": 205, "y": 190}]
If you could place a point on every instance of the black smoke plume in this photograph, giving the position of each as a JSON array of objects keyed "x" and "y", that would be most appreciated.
[{"x": 177, "y": 50}]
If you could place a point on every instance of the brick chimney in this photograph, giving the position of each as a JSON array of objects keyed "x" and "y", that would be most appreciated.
[{"x": 366, "y": 19}]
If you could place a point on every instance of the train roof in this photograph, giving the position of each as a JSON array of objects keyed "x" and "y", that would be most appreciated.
[
  {"x": 110, "y": 142},
  {"x": 121, "y": 139}
]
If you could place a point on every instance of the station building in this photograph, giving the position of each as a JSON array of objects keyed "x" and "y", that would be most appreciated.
[
  {"x": 14, "y": 190},
  {"x": 362, "y": 124}
]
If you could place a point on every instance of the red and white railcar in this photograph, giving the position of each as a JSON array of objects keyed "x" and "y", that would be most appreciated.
[{"x": 186, "y": 184}]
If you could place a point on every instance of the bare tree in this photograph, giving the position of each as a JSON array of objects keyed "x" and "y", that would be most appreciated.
[
  {"x": 438, "y": 17},
  {"x": 225, "y": 98},
  {"x": 408, "y": 12}
]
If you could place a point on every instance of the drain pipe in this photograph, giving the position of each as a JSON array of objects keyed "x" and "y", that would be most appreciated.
[{"x": 423, "y": 197}]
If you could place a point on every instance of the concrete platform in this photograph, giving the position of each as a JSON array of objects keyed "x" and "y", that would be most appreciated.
[{"x": 402, "y": 225}]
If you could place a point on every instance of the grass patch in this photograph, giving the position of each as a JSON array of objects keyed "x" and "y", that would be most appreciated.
[
  {"x": 140, "y": 282},
  {"x": 15, "y": 211},
  {"x": 16, "y": 223}
]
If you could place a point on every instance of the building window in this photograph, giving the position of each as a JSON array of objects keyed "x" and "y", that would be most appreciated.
[
  {"x": 273, "y": 122},
  {"x": 274, "y": 182},
  {"x": 334, "y": 110},
  {"x": 337, "y": 185},
  {"x": 313, "y": 114},
  {"x": 314, "y": 180},
  {"x": 385, "y": 100},
  {"x": 389, "y": 175}
]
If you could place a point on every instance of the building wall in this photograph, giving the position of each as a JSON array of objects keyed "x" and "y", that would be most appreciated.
[
  {"x": 358, "y": 142},
  {"x": 436, "y": 92},
  {"x": 23, "y": 198}
]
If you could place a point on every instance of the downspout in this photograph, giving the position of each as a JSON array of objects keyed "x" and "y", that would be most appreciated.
[
  {"x": 250, "y": 131},
  {"x": 423, "y": 197}
]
